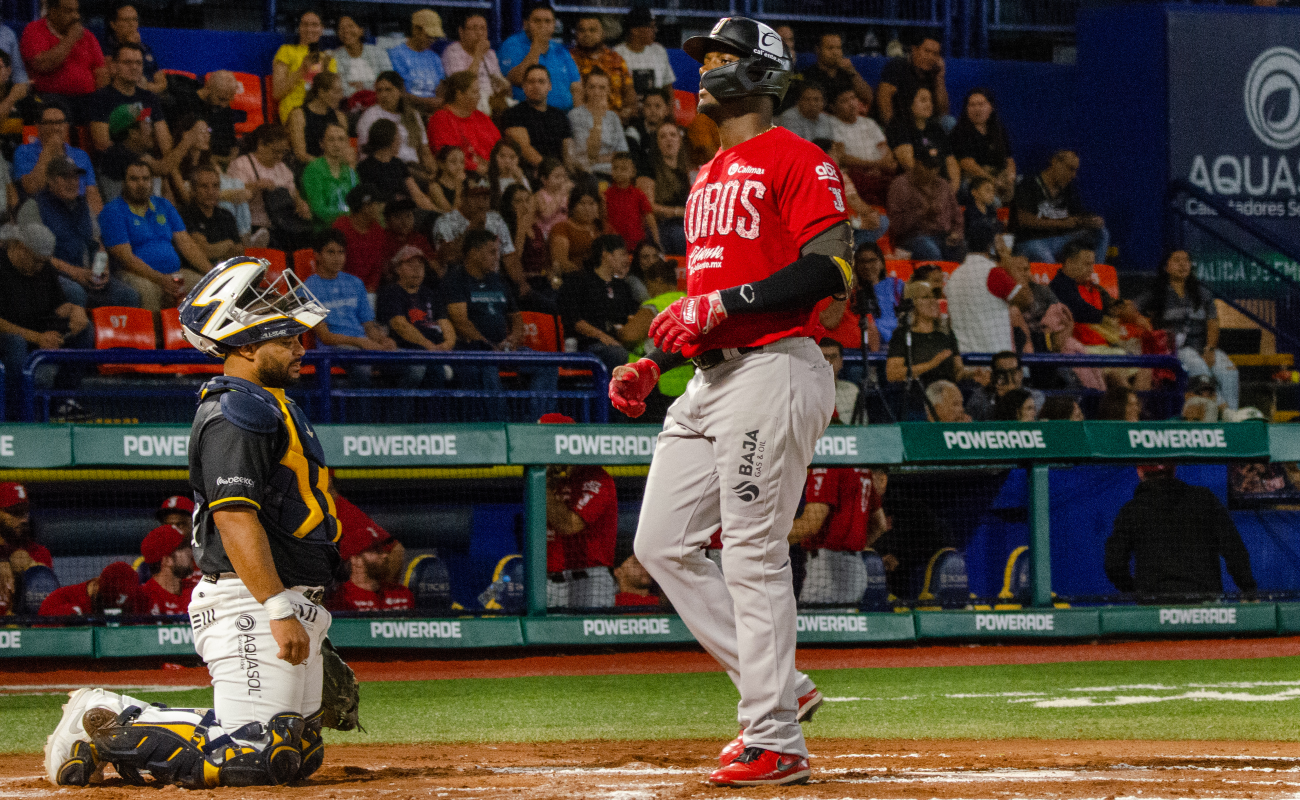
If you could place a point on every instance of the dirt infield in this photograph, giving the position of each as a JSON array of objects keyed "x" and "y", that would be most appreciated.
[{"x": 841, "y": 768}]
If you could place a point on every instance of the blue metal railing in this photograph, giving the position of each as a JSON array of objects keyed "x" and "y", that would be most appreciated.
[{"x": 171, "y": 398}]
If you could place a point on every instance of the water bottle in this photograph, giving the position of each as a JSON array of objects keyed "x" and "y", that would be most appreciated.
[{"x": 99, "y": 267}]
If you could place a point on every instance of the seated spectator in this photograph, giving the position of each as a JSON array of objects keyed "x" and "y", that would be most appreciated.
[
  {"x": 319, "y": 110},
  {"x": 641, "y": 132},
  {"x": 124, "y": 28},
  {"x": 61, "y": 208},
  {"x": 415, "y": 316},
  {"x": 581, "y": 533},
  {"x": 1174, "y": 535},
  {"x": 485, "y": 314},
  {"x": 841, "y": 517},
  {"x": 572, "y": 238},
  {"x": 1017, "y": 405},
  {"x": 533, "y": 46},
  {"x": 350, "y": 324},
  {"x": 296, "y": 66},
  {"x": 177, "y": 510},
  {"x": 1200, "y": 400},
  {"x": 146, "y": 238},
  {"x": 666, "y": 184},
  {"x": 16, "y": 526},
  {"x": 590, "y": 52},
  {"x": 32, "y": 160},
  {"x": 807, "y": 118},
  {"x": 504, "y": 170},
  {"x": 595, "y": 304},
  {"x": 61, "y": 56},
  {"x": 400, "y": 216},
  {"x": 473, "y": 53},
  {"x": 1061, "y": 407},
  {"x": 519, "y": 211},
  {"x": 923, "y": 213},
  {"x": 1178, "y": 304},
  {"x": 1047, "y": 213},
  {"x": 327, "y": 180},
  {"x": 981, "y": 216},
  {"x": 115, "y": 591},
  {"x": 212, "y": 227},
  {"x": 365, "y": 550},
  {"x": 644, "y": 255},
  {"x": 383, "y": 170},
  {"x": 552, "y": 195},
  {"x": 1007, "y": 376},
  {"x": 263, "y": 172},
  {"x": 917, "y": 132},
  {"x": 212, "y": 104},
  {"x": 474, "y": 214},
  {"x": 595, "y": 144},
  {"x": 661, "y": 285},
  {"x": 447, "y": 191},
  {"x": 198, "y": 152},
  {"x": 1058, "y": 331},
  {"x": 418, "y": 64},
  {"x": 929, "y": 353},
  {"x": 17, "y": 103},
  {"x": 1121, "y": 404},
  {"x": 846, "y": 392},
  {"x": 869, "y": 266},
  {"x": 167, "y": 552},
  {"x": 461, "y": 124},
  {"x": 646, "y": 59},
  {"x": 635, "y": 586},
  {"x": 835, "y": 72},
  {"x": 630, "y": 212},
  {"x": 945, "y": 403},
  {"x": 9, "y": 46},
  {"x": 981, "y": 295},
  {"x": 1103, "y": 324},
  {"x": 980, "y": 145},
  {"x": 131, "y": 131},
  {"x": 541, "y": 130},
  {"x": 412, "y": 139},
  {"x": 851, "y": 322},
  {"x": 127, "y": 68},
  {"x": 365, "y": 240},
  {"x": 902, "y": 78},
  {"x": 359, "y": 63},
  {"x": 860, "y": 147}
]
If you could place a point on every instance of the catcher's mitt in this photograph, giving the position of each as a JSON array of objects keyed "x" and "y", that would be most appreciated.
[{"x": 340, "y": 702}]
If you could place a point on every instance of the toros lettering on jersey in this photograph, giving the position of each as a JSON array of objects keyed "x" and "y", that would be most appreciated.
[{"x": 718, "y": 208}]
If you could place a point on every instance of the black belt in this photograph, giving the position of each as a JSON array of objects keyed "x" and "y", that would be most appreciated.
[{"x": 712, "y": 358}]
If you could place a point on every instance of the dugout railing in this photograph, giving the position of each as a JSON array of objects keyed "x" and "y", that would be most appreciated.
[{"x": 72, "y": 458}]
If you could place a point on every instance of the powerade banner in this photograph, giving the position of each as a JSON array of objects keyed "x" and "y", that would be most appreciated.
[
  {"x": 35, "y": 446},
  {"x": 412, "y": 445},
  {"x": 1234, "y": 120}
]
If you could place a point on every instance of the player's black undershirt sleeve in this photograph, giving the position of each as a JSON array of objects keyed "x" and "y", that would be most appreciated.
[
  {"x": 665, "y": 361},
  {"x": 824, "y": 268}
]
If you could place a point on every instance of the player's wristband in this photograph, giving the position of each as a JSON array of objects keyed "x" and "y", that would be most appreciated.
[{"x": 278, "y": 606}]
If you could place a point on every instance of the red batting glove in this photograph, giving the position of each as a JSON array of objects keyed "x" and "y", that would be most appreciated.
[
  {"x": 686, "y": 321},
  {"x": 630, "y": 385}
]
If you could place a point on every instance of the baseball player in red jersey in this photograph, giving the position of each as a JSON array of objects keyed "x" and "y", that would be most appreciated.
[
  {"x": 842, "y": 516},
  {"x": 170, "y": 557},
  {"x": 767, "y": 238}
]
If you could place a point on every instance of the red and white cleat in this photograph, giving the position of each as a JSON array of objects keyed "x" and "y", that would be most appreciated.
[
  {"x": 759, "y": 767},
  {"x": 808, "y": 705}
]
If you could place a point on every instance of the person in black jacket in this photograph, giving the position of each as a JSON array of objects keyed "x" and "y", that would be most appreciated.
[{"x": 1177, "y": 533}]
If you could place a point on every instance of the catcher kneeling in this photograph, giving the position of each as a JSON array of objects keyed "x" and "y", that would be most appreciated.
[{"x": 265, "y": 537}]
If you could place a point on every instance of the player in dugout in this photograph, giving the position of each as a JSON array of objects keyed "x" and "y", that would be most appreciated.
[
  {"x": 366, "y": 548},
  {"x": 265, "y": 536},
  {"x": 170, "y": 557}
]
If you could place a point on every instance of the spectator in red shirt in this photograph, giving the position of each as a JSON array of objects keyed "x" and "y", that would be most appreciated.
[
  {"x": 627, "y": 208},
  {"x": 581, "y": 529},
  {"x": 115, "y": 591},
  {"x": 363, "y": 228},
  {"x": 62, "y": 57},
  {"x": 635, "y": 586},
  {"x": 177, "y": 510},
  {"x": 16, "y": 525},
  {"x": 461, "y": 124},
  {"x": 842, "y": 516},
  {"x": 366, "y": 548},
  {"x": 170, "y": 558}
]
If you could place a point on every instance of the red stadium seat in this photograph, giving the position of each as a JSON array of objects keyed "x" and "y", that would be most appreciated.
[
  {"x": 248, "y": 100},
  {"x": 897, "y": 268},
  {"x": 29, "y": 134},
  {"x": 542, "y": 332},
  {"x": 278, "y": 258},
  {"x": 304, "y": 263},
  {"x": 119, "y": 326},
  {"x": 680, "y": 261},
  {"x": 684, "y": 106},
  {"x": 173, "y": 340}
]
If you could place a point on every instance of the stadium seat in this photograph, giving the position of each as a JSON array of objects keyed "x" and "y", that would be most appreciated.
[
  {"x": 29, "y": 134},
  {"x": 542, "y": 332},
  {"x": 173, "y": 340},
  {"x": 180, "y": 72},
  {"x": 278, "y": 258},
  {"x": 1015, "y": 580},
  {"x": 304, "y": 263},
  {"x": 876, "y": 597},
  {"x": 506, "y": 593},
  {"x": 897, "y": 268},
  {"x": 1004, "y": 215},
  {"x": 684, "y": 106},
  {"x": 248, "y": 100},
  {"x": 946, "y": 584},
  {"x": 428, "y": 579},
  {"x": 122, "y": 327},
  {"x": 682, "y": 272}
]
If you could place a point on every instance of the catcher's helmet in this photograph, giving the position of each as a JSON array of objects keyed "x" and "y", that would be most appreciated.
[
  {"x": 233, "y": 306},
  {"x": 763, "y": 69}
]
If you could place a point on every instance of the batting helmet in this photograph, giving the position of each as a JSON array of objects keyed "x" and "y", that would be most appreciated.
[
  {"x": 234, "y": 305},
  {"x": 764, "y": 67}
]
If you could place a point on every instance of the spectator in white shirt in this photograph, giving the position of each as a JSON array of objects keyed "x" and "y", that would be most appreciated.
[
  {"x": 646, "y": 58},
  {"x": 860, "y": 147},
  {"x": 980, "y": 296},
  {"x": 596, "y": 145},
  {"x": 359, "y": 63},
  {"x": 473, "y": 52}
]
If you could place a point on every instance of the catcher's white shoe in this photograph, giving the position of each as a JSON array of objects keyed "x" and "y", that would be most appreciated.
[{"x": 69, "y": 756}]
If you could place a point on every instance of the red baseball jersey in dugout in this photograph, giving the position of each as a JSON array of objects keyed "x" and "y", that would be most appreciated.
[
  {"x": 750, "y": 211},
  {"x": 852, "y": 498}
]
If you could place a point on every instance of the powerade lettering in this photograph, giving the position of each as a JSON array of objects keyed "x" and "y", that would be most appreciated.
[
  {"x": 1198, "y": 616},
  {"x": 1015, "y": 622},
  {"x": 1150, "y": 439},
  {"x": 11, "y": 640},
  {"x": 396, "y": 445},
  {"x": 603, "y": 445},
  {"x": 628, "y": 626},
  {"x": 7, "y": 446},
  {"x": 826, "y": 623},
  {"x": 150, "y": 446},
  {"x": 177, "y": 635},
  {"x": 415, "y": 630},
  {"x": 837, "y": 446},
  {"x": 994, "y": 440}
]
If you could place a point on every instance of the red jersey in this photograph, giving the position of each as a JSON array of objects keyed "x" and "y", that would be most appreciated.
[
  {"x": 155, "y": 600},
  {"x": 589, "y": 492},
  {"x": 76, "y": 75},
  {"x": 750, "y": 211},
  {"x": 39, "y": 552},
  {"x": 475, "y": 135},
  {"x": 367, "y": 251},
  {"x": 847, "y": 333},
  {"x": 626, "y": 209},
  {"x": 852, "y": 498},
  {"x": 68, "y": 601},
  {"x": 351, "y": 597},
  {"x": 631, "y": 599}
]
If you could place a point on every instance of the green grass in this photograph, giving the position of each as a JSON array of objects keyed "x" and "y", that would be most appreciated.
[{"x": 896, "y": 703}]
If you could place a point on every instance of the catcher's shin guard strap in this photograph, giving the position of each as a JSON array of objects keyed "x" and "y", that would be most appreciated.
[
  {"x": 313, "y": 747},
  {"x": 278, "y": 761},
  {"x": 166, "y": 752}
]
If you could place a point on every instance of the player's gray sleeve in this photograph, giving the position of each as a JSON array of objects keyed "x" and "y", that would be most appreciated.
[{"x": 824, "y": 268}]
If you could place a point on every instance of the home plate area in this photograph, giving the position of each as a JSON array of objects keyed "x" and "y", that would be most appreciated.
[{"x": 842, "y": 768}]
